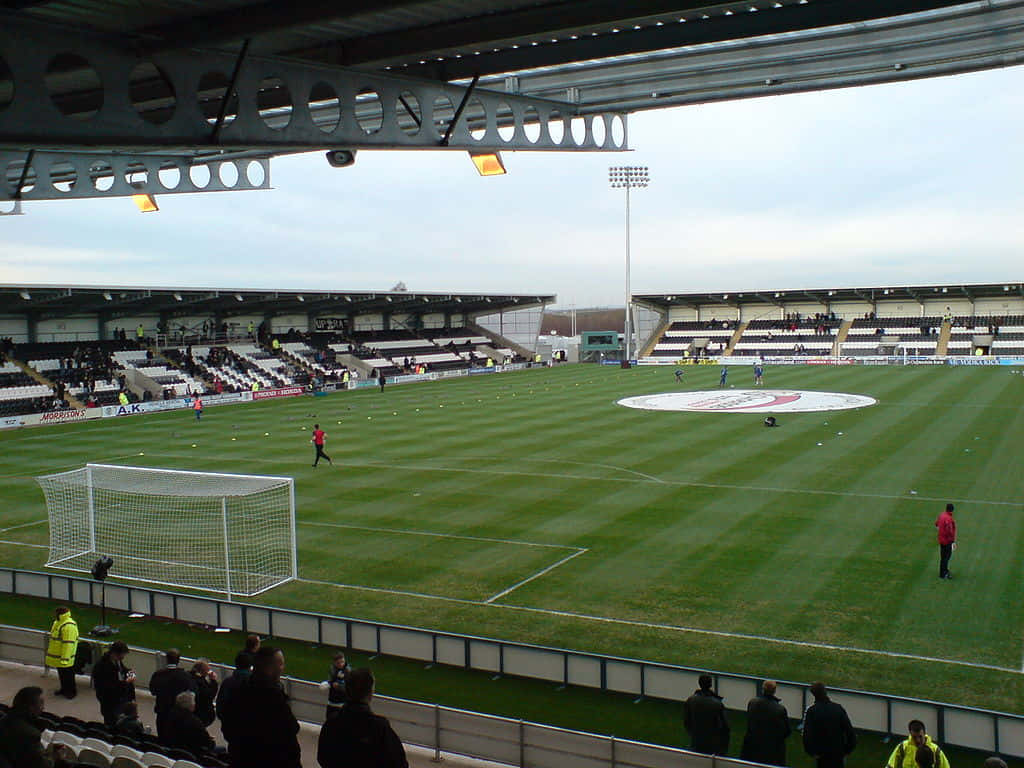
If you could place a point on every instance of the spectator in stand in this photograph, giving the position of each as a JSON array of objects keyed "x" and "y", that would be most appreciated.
[
  {"x": 183, "y": 729},
  {"x": 61, "y": 649},
  {"x": 906, "y": 752},
  {"x": 165, "y": 685},
  {"x": 335, "y": 684},
  {"x": 128, "y": 723},
  {"x": 356, "y": 736},
  {"x": 113, "y": 681},
  {"x": 994, "y": 762},
  {"x": 204, "y": 683},
  {"x": 231, "y": 684},
  {"x": 705, "y": 721},
  {"x": 21, "y": 737},
  {"x": 767, "y": 728},
  {"x": 260, "y": 728},
  {"x": 828, "y": 733}
]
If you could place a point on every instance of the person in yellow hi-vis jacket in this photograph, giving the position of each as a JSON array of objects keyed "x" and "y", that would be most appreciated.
[{"x": 60, "y": 651}]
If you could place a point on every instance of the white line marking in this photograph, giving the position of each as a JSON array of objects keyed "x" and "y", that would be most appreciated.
[
  {"x": 23, "y": 544},
  {"x": 758, "y": 638},
  {"x": 641, "y": 624},
  {"x": 23, "y": 525},
  {"x": 437, "y": 535},
  {"x": 386, "y": 591},
  {"x": 537, "y": 575},
  {"x": 678, "y": 483},
  {"x": 50, "y": 470}
]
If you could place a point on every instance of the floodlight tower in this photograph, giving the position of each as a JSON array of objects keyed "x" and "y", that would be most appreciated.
[{"x": 628, "y": 177}]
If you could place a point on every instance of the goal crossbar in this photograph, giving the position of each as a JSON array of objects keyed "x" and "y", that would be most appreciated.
[{"x": 217, "y": 532}]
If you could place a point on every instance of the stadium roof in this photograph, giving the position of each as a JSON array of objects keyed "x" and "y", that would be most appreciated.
[
  {"x": 916, "y": 293},
  {"x": 161, "y": 86},
  {"x": 122, "y": 301}
]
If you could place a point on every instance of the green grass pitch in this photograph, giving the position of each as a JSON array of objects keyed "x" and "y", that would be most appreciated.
[{"x": 529, "y": 506}]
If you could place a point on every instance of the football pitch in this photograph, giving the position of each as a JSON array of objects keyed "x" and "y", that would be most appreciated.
[{"x": 529, "y": 506}]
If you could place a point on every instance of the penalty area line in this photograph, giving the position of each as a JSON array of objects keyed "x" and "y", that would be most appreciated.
[
  {"x": 23, "y": 525},
  {"x": 405, "y": 532},
  {"x": 537, "y": 575}
]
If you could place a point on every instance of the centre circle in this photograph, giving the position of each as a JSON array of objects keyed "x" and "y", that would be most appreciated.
[{"x": 749, "y": 401}]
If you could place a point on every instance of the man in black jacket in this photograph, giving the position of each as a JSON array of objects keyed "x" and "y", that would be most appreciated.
[
  {"x": 828, "y": 733},
  {"x": 230, "y": 686},
  {"x": 113, "y": 681},
  {"x": 260, "y": 728},
  {"x": 165, "y": 685},
  {"x": 704, "y": 718},
  {"x": 204, "y": 683},
  {"x": 20, "y": 737},
  {"x": 767, "y": 728},
  {"x": 182, "y": 729},
  {"x": 355, "y": 737}
]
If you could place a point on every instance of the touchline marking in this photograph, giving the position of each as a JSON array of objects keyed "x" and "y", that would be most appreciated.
[
  {"x": 437, "y": 535},
  {"x": 537, "y": 575},
  {"x": 642, "y": 624},
  {"x": 23, "y": 525},
  {"x": 566, "y": 461},
  {"x": 758, "y": 638}
]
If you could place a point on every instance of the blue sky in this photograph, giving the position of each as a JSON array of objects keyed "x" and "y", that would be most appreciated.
[{"x": 915, "y": 182}]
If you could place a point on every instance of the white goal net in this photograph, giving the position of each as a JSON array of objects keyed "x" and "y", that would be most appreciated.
[{"x": 214, "y": 532}]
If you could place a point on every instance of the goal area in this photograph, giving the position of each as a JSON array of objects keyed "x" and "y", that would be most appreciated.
[{"x": 232, "y": 534}]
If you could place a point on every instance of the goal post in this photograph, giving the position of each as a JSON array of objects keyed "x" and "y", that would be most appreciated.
[{"x": 209, "y": 531}]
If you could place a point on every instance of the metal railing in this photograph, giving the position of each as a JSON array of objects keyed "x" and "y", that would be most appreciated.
[{"x": 996, "y": 732}]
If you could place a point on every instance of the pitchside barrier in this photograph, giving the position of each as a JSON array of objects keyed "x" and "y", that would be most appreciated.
[
  {"x": 441, "y": 729},
  {"x": 955, "y": 360},
  {"x": 996, "y": 732}
]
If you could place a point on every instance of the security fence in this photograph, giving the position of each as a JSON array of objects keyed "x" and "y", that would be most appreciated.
[{"x": 995, "y": 732}]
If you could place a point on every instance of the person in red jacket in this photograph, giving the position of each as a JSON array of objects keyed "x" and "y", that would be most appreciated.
[{"x": 947, "y": 540}]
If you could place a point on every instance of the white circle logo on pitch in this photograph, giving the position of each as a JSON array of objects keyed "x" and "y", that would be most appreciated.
[{"x": 749, "y": 401}]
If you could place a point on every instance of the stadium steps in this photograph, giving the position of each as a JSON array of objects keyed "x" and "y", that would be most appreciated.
[
  {"x": 161, "y": 359},
  {"x": 736, "y": 336},
  {"x": 73, "y": 401},
  {"x": 654, "y": 338},
  {"x": 945, "y": 332},
  {"x": 841, "y": 334}
]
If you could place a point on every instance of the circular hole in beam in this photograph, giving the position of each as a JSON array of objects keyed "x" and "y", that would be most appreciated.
[
  {"x": 63, "y": 176},
  {"x": 408, "y": 113},
  {"x": 74, "y": 86},
  {"x": 101, "y": 176},
  {"x": 369, "y": 110},
  {"x": 210, "y": 95},
  {"x": 274, "y": 103},
  {"x": 151, "y": 93},
  {"x": 324, "y": 107}
]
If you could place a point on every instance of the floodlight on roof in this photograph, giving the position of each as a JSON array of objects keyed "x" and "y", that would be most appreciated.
[
  {"x": 177, "y": 297},
  {"x": 25, "y": 295},
  {"x": 145, "y": 203},
  {"x": 238, "y": 297},
  {"x": 488, "y": 163},
  {"x": 300, "y": 297},
  {"x": 107, "y": 296}
]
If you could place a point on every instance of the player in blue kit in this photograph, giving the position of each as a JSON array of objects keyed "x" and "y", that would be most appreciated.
[
  {"x": 758, "y": 374},
  {"x": 723, "y": 376}
]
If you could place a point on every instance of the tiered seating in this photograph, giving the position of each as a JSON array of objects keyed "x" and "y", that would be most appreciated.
[
  {"x": 20, "y": 393},
  {"x": 1007, "y": 333},
  {"x": 179, "y": 382},
  {"x": 236, "y": 373},
  {"x": 917, "y": 335},
  {"x": 680, "y": 335},
  {"x": 806, "y": 336},
  {"x": 325, "y": 366},
  {"x": 93, "y": 744},
  {"x": 369, "y": 356},
  {"x": 272, "y": 368}
]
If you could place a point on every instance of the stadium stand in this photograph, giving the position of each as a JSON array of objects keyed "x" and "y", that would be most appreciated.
[
  {"x": 1007, "y": 335},
  {"x": 173, "y": 381},
  {"x": 680, "y": 337},
  {"x": 795, "y": 336},
  {"x": 916, "y": 335}
]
